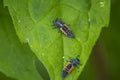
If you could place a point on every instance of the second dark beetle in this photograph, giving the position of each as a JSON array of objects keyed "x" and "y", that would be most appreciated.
[
  {"x": 63, "y": 28},
  {"x": 70, "y": 66}
]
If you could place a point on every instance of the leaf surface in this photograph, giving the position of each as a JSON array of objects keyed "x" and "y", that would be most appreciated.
[{"x": 33, "y": 20}]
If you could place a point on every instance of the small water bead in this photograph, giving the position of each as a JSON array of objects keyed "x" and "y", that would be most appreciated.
[
  {"x": 102, "y": 4},
  {"x": 19, "y": 20}
]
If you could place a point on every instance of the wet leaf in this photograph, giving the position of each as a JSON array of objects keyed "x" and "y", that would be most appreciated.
[{"x": 33, "y": 20}]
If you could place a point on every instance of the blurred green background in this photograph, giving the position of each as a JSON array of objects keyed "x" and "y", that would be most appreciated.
[{"x": 104, "y": 62}]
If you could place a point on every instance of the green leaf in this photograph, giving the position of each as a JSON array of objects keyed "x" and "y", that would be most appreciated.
[
  {"x": 33, "y": 20},
  {"x": 16, "y": 59}
]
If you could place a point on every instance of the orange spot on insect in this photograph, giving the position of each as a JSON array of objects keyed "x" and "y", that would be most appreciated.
[{"x": 63, "y": 31}]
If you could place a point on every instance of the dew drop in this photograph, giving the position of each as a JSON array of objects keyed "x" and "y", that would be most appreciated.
[
  {"x": 19, "y": 20},
  {"x": 42, "y": 54},
  {"x": 27, "y": 39},
  {"x": 102, "y": 4},
  {"x": 63, "y": 57},
  {"x": 31, "y": 46},
  {"x": 89, "y": 20}
]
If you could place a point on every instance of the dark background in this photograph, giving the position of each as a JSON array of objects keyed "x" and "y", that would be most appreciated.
[{"x": 104, "y": 62}]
